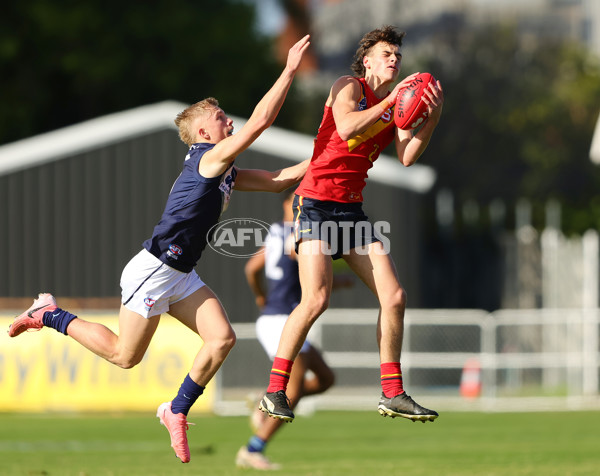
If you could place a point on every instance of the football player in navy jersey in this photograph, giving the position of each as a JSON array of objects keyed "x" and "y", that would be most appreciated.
[
  {"x": 161, "y": 278},
  {"x": 278, "y": 261}
]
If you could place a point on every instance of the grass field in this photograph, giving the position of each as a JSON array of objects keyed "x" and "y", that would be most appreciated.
[{"x": 327, "y": 444}]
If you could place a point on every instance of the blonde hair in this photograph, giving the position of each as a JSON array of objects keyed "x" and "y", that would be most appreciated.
[{"x": 185, "y": 118}]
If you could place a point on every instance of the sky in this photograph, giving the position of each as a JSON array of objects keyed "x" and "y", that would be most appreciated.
[{"x": 270, "y": 16}]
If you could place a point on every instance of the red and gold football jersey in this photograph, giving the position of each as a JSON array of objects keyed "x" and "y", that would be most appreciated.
[{"x": 338, "y": 168}]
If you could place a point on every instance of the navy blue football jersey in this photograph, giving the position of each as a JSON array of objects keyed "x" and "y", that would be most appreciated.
[
  {"x": 194, "y": 206},
  {"x": 281, "y": 271}
]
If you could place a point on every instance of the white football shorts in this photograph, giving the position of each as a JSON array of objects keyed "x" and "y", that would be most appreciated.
[
  {"x": 149, "y": 287},
  {"x": 268, "y": 332}
]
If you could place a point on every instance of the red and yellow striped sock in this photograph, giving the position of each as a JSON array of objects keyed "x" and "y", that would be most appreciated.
[
  {"x": 280, "y": 374},
  {"x": 391, "y": 379}
]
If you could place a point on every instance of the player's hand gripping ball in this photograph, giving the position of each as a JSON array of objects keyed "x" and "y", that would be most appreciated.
[{"x": 410, "y": 110}]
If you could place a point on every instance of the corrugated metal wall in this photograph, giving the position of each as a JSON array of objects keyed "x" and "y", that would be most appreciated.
[{"x": 69, "y": 226}]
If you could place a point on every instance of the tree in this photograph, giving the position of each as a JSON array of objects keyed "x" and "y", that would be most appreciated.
[
  {"x": 518, "y": 121},
  {"x": 64, "y": 62}
]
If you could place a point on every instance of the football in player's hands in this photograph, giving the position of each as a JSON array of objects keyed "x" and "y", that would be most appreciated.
[{"x": 411, "y": 111}]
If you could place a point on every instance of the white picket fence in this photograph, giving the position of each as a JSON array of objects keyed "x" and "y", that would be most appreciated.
[
  {"x": 541, "y": 351},
  {"x": 529, "y": 360}
]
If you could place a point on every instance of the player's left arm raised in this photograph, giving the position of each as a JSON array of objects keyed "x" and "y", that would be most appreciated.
[
  {"x": 257, "y": 180},
  {"x": 219, "y": 158},
  {"x": 409, "y": 147}
]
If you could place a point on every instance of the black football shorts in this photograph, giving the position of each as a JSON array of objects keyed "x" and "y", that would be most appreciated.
[{"x": 342, "y": 226}]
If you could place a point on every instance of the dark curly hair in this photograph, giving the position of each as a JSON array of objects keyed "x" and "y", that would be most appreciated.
[{"x": 386, "y": 34}]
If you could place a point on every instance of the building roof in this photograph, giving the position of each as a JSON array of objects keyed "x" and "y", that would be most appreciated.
[{"x": 116, "y": 127}]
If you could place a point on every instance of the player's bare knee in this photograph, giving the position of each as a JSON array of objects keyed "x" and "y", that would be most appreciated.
[
  {"x": 126, "y": 362},
  {"x": 223, "y": 344},
  {"x": 317, "y": 305},
  {"x": 230, "y": 341},
  {"x": 402, "y": 298},
  {"x": 396, "y": 302},
  {"x": 327, "y": 380},
  {"x": 227, "y": 343}
]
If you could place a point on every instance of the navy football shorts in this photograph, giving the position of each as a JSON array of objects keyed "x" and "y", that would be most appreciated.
[{"x": 343, "y": 226}]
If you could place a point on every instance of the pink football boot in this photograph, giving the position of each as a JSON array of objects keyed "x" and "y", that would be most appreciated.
[
  {"x": 31, "y": 319},
  {"x": 177, "y": 425}
]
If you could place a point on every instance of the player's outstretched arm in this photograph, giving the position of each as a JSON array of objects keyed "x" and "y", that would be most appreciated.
[
  {"x": 257, "y": 180},
  {"x": 265, "y": 112},
  {"x": 408, "y": 147}
]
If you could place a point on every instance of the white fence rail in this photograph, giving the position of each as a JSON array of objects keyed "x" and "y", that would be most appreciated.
[{"x": 528, "y": 359}]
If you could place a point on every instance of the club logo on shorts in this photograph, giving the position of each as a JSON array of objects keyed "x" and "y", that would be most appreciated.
[
  {"x": 149, "y": 302},
  {"x": 174, "y": 252}
]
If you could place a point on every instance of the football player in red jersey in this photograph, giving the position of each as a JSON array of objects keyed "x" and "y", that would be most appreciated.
[{"x": 357, "y": 125}]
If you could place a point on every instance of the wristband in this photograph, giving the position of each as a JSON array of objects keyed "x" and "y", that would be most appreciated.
[{"x": 386, "y": 104}]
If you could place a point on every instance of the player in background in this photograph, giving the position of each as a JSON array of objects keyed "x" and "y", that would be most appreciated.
[
  {"x": 357, "y": 125},
  {"x": 277, "y": 259},
  {"x": 161, "y": 278}
]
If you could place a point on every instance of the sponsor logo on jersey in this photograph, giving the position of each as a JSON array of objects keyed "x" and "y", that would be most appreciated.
[
  {"x": 362, "y": 105},
  {"x": 226, "y": 187},
  {"x": 175, "y": 251}
]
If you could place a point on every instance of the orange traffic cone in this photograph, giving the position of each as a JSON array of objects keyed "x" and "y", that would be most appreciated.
[{"x": 470, "y": 380}]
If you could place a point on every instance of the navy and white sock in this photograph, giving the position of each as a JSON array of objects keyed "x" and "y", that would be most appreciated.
[
  {"x": 58, "y": 319},
  {"x": 187, "y": 396}
]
